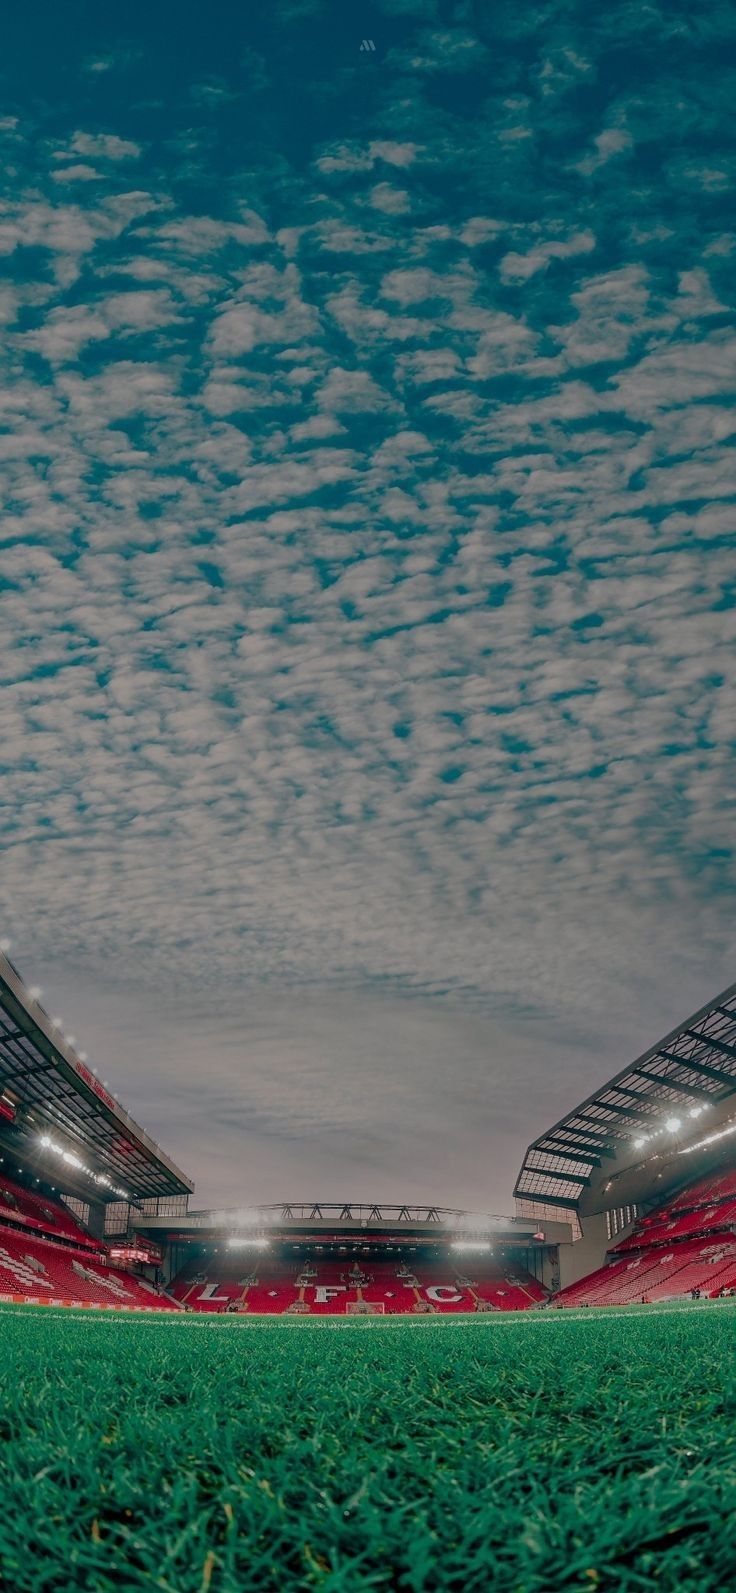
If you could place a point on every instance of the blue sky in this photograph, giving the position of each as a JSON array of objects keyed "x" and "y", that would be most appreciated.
[{"x": 367, "y": 566}]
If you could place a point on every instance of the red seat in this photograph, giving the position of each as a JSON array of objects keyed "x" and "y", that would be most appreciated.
[
  {"x": 330, "y": 1287},
  {"x": 38, "y": 1268},
  {"x": 40, "y": 1213},
  {"x": 689, "y": 1243}
]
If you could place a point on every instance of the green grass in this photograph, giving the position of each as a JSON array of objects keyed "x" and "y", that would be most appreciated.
[{"x": 534, "y": 1452}]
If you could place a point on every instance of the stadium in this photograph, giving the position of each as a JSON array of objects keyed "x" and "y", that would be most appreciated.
[
  {"x": 631, "y": 1196},
  {"x": 191, "y": 1422}
]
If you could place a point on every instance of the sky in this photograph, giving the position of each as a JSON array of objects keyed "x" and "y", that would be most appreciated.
[{"x": 367, "y": 566}]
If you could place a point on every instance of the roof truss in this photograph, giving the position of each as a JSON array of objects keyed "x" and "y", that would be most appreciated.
[
  {"x": 683, "y": 1066},
  {"x": 57, "y": 1094}
]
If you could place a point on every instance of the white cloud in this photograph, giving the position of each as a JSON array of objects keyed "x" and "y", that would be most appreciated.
[
  {"x": 104, "y": 146},
  {"x": 440, "y": 50},
  {"x": 349, "y": 392},
  {"x": 366, "y": 639},
  {"x": 519, "y": 267},
  {"x": 392, "y": 201},
  {"x": 394, "y": 154},
  {"x": 356, "y": 158},
  {"x": 612, "y": 141},
  {"x": 78, "y": 173}
]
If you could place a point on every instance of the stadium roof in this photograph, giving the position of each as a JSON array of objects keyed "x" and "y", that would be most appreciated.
[
  {"x": 333, "y": 1222},
  {"x": 692, "y": 1069},
  {"x": 50, "y": 1091}
]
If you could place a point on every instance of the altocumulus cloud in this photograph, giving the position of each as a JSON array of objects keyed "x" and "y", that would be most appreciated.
[{"x": 367, "y": 565}]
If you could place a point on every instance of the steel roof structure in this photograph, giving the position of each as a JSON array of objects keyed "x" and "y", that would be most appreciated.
[
  {"x": 693, "y": 1067},
  {"x": 334, "y": 1222},
  {"x": 54, "y": 1094}
]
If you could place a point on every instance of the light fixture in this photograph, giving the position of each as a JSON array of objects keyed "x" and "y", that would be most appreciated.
[
  {"x": 709, "y": 1140},
  {"x": 246, "y": 1242},
  {"x": 672, "y": 1125},
  {"x": 74, "y": 1161},
  {"x": 640, "y": 1143},
  {"x": 35, "y": 992},
  {"x": 470, "y": 1244}
]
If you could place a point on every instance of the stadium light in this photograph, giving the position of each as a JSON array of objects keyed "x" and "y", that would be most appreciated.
[
  {"x": 640, "y": 1143},
  {"x": 474, "y": 1222},
  {"x": 74, "y": 1161},
  {"x": 672, "y": 1125},
  {"x": 470, "y": 1244},
  {"x": 710, "y": 1139},
  {"x": 246, "y": 1242},
  {"x": 35, "y": 992}
]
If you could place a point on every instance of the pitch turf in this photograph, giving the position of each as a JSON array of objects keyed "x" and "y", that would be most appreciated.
[{"x": 535, "y": 1452}]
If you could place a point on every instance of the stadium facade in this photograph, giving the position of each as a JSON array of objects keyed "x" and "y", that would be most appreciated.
[{"x": 94, "y": 1212}]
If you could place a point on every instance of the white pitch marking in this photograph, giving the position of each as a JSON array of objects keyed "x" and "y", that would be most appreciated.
[{"x": 377, "y": 1324}]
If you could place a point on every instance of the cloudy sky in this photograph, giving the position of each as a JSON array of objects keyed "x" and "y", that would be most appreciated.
[{"x": 367, "y": 565}]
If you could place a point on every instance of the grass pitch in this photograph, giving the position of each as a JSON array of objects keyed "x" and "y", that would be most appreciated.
[{"x": 529, "y": 1453}]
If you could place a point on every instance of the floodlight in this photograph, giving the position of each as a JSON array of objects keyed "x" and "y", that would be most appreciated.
[
  {"x": 474, "y": 1222},
  {"x": 672, "y": 1125}
]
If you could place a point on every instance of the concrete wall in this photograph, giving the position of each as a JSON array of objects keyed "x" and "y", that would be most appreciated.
[
  {"x": 577, "y": 1260},
  {"x": 96, "y": 1224}
]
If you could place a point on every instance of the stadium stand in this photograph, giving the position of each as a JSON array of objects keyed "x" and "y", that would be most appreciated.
[
  {"x": 659, "y": 1275},
  {"x": 705, "y": 1220},
  {"x": 41, "y": 1213},
  {"x": 718, "y": 1186},
  {"x": 322, "y": 1287},
  {"x": 688, "y": 1245},
  {"x": 41, "y": 1269}
]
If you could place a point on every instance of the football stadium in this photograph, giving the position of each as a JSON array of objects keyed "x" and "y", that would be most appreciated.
[
  {"x": 354, "y": 1396},
  {"x": 366, "y": 797}
]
